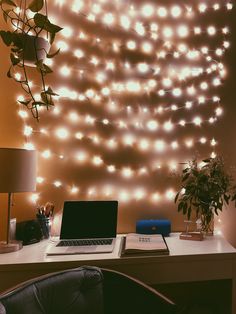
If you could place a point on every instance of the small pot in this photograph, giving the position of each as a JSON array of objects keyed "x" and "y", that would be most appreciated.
[{"x": 35, "y": 48}]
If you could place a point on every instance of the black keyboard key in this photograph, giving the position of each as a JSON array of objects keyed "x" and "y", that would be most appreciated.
[{"x": 84, "y": 242}]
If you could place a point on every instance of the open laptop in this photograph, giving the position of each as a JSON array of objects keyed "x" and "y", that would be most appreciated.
[{"x": 87, "y": 227}]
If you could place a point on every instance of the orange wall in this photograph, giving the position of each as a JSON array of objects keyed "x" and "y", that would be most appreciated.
[{"x": 87, "y": 176}]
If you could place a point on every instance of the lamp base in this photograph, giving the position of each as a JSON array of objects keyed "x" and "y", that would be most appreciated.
[{"x": 12, "y": 246}]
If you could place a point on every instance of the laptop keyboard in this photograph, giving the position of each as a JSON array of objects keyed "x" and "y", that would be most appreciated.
[{"x": 85, "y": 242}]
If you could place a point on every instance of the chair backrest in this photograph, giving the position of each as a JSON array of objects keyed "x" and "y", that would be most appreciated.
[
  {"x": 127, "y": 295},
  {"x": 66, "y": 292},
  {"x": 84, "y": 290}
]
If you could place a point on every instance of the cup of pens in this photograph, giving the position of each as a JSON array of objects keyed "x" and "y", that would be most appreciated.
[{"x": 44, "y": 216}]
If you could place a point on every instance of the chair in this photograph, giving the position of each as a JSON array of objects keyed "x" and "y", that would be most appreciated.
[{"x": 84, "y": 290}]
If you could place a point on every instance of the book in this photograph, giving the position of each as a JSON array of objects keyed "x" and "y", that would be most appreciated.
[{"x": 143, "y": 244}]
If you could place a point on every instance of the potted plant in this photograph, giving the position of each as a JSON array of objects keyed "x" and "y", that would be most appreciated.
[
  {"x": 205, "y": 189},
  {"x": 29, "y": 39}
]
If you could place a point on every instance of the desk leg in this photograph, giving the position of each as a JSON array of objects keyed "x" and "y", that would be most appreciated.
[{"x": 234, "y": 287}]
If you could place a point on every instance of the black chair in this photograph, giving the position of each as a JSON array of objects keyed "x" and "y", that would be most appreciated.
[{"x": 84, "y": 290}]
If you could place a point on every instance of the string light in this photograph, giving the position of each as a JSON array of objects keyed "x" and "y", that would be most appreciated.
[{"x": 137, "y": 82}]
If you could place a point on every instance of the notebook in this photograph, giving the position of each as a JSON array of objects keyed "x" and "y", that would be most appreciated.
[{"x": 86, "y": 227}]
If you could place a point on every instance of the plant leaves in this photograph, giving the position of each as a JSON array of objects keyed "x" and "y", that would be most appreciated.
[
  {"x": 36, "y": 5},
  {"x": 9, "y": 2},
  {"x": 176, "y": 196},
  {"x": 24, "y": 102},
  {"x": 6, "y": 37},
  {"x": 43, "y": 22},
  {"x": 53, "y": 54}
]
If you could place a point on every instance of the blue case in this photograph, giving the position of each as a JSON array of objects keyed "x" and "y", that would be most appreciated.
[{"x": 152, "y": 226}]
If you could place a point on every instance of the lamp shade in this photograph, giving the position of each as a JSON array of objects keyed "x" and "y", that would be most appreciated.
[{"x": 17, "y": 170}]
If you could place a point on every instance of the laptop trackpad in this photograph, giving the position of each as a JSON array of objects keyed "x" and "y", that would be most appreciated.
[{"x": 78, "y": 250}]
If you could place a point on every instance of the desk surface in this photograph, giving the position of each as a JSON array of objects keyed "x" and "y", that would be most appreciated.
[
  {"x": 36, "y": 253},
  {"x": 189, "y": 261}
]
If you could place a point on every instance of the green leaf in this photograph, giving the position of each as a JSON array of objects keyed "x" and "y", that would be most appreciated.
[
  {"x": 43, "y": 22},
  {"x": 24, "y": 102},
  {"x": 53, "y": 54},
  {"x": 6, "y": 37},
  {"x": 185, "y": 177},
  {"x": 49, "y": 91},
  {"x": 52, "y": 37},
  {"x": 9, "y": 2},
  {"x": 180, "y": 206},
  {"x": 36, "y": 5},
  {"x": 176, "y": 196},
  {"x": 9, "y": 73}
]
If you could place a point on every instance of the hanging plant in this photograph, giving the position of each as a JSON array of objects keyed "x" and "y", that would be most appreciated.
[{"x": 30, "y": 41}]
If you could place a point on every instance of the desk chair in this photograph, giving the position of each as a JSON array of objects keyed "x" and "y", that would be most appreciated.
[{"x": 84, "y": 290}]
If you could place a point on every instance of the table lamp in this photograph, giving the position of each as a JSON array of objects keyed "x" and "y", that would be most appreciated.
[{"x": 17, "y": 174}]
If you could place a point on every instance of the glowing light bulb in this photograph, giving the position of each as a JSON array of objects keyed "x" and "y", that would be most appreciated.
[
  {"x": 125, "y": 22},
  {"x": 78, "y": 53},
  {"x": 97, "y": 161},
  {"x": 219, "y": 111},
  {"x": 111, "y": 168},
  {"x": 177, "y": 92},
  {"x": 81, "y": 156},
  {"x": 131, "y": 45},
  {"x": 155, "y": 197},
  {"x": 159, "y": 145},
  {"x": 168, "y": 126},
  {"x": 147, "y": 47},
  {"x": 127, "y": 172},
  {"x": 182, "y": 31},
  {"x": 46, "y": 154},
  {"x": 144, "y": 144},
  {"x": 167, "y": 82},
  {"x": 147, "y": 10},
  {"x": 28, "y": 130},
  {"x": 170, "y": 194},
  {"x": 176, "y": 11},
  {"x": 211, "y": 30},
  {"x": 174, "y": 145},
  {"x": 203, "y": 140},
  {"x": 162, "y": 12},
  {"x": 197, "y": 121},
  {"x": 143, "y": 67},
  {"x": 108, "y": 19},
  {"x": 62, "y": 45},
  {"x": 182, "y": 122},
  {"x": 139, "y": 193},
  {"x": 65, "y": 70},
  {"x": 204, "y": 85},
  {"x": 62, "y": 133},
  {"x": 67, "y": 31},
  {"x": 124, "y": 196},
  {"x": 167, "y": 32},
  {"x": 133, "y": 86},
  {"x": 77, "y": 5},
  {"x": 152, "y": 125},
  {"x": 74, "y": 190},
  {"x": 23, "y": 114},
  {"x": 139, "y": 28},
  {"x": 57, "y": 183},
  {"x": 34, "y": 197},
  {"x": 39, "y": 180},
  {"x": 202, "y": 7}
]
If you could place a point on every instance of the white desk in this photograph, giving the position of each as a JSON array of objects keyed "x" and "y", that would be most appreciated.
[{"x": 189, "y": 261}]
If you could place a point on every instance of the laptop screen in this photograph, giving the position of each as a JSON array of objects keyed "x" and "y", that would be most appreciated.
[{"x": 89, "y": 219}]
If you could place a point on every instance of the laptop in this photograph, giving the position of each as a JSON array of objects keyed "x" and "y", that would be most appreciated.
[{"x": 87, "y": 227}]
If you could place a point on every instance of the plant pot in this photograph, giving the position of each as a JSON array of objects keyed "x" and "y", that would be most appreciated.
[
  {"x": 35, "y": 48},
  {"x": 207, "y": 223}
]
